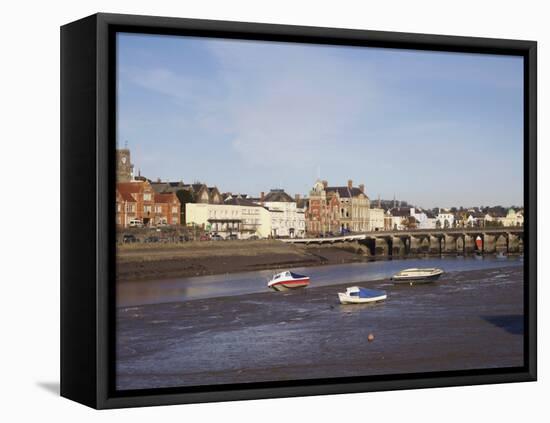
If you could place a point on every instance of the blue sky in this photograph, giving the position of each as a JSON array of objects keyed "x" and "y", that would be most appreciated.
[{"x": 435, "y": 129}]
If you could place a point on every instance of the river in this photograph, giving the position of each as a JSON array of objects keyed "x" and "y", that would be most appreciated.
[{"x": 135, "y": 293}]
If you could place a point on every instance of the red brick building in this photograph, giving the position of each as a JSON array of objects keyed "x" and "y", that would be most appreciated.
[
  {"x": 137, "y": 203},
  {"x": 323, "y": 210},
  {"x": 126, "y": 208},
  {"x": 167, "y": 209}
]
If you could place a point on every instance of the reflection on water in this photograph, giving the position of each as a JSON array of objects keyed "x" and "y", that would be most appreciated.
[{"x": 190, "y": 288}]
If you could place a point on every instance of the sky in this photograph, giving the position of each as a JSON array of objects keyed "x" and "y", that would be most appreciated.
[{"x": 431, "y": 128}]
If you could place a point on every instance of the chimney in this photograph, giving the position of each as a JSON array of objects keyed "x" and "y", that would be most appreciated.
[
  {"x": 350, "y": 184},
  {"x": 262, "y": 196},
  {"x": 297, "y": 197},
  {"x": 362, "y": 188},
  {"x": 158, "y": 180},
  {"x": 325, "y": 184}
]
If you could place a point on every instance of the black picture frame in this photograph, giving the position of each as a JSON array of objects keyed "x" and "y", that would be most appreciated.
[{"x": 87, "y": 216}]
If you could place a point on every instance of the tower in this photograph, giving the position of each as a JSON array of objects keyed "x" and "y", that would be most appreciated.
[{"x": 124, "y": 167}]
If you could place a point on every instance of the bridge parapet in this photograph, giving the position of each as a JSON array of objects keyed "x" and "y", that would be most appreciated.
[{"x": 466, "y": 234}]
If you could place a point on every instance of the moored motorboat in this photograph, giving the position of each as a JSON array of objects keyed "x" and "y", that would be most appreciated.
[
  {"x": 416, "y": 275},
  {"x": 358, "y": 295},
  {"x": 288, "y": 280}
]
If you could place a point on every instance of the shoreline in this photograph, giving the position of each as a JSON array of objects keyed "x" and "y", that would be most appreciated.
[{"x": 226, "y": 257}]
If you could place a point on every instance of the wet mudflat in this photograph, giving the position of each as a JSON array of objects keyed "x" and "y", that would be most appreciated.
[{"x": 466, "y": 320}]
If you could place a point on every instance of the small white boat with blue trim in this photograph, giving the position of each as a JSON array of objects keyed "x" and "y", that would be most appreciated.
[
  {"x": 358, "y": 295},
  {"x": 288, "y": 280},
  {"x": 416, "y": 275}
]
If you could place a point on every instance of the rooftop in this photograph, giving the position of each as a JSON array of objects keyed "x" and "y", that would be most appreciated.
[
  {"x": 346, "y": 192},
  {"x": 279, "y": 196}
]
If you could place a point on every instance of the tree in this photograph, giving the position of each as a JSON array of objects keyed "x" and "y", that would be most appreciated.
[{"x": 184, "y": 197}]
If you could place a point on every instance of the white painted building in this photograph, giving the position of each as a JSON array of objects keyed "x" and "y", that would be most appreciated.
[
  {"x": 236, "y": 217},
  {"x": 512, "y": 218},
  {"x": 445, "y": 219},
  {"x": 375, "y": 219},
  {"x": 424, "y": 221},
  {"x": 286, "y": 219}
]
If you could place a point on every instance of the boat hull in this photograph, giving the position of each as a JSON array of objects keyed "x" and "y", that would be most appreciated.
[
  {"x": 348, "y": 299},
  {"x": 412, "y": 279},
  {"x": 416, "y": 279},
  {"x": 290, "y": 284}
]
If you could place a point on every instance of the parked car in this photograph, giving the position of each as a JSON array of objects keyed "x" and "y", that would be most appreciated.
[
  {"x": 254, "y": 237},
  {"x": 152, "y": 239},
  {"x": 183, "y": 238},
  {"x": 216, "y": 237},
  {"x": 129, "y": 238},
  {"x": 233, "y": 236},
  {"x": 135, "y": 223},
  {"x": 204, "y": 237}
]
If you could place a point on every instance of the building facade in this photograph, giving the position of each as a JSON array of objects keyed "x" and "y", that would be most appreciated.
[
  {"x": 512, "y": 218},
  {"x": 397, "y": 219},
  {"x": 188, "y": 193},
  {"x": 425, "y": 219},
  {"x": 354, "y": 207},
  {"x": 236, "y": 217},
  {"x": 137, "y": 204},
  {"x": 287, "y": 220},
  {"x": 323, "y": 210},
  {"x": 375, "y": 219},
  {"x": 126, "y": 209},
  {"x": 445, "y": 219}
]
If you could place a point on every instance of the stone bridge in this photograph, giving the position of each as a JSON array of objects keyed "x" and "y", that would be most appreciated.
[{"x": 430, "y": 241}]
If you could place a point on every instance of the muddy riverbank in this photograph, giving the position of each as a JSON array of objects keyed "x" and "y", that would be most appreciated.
[
  {"x": 467, "y": 320},
  {"x": 164, "y": 261},
  {"x": 143, "y": 262}
]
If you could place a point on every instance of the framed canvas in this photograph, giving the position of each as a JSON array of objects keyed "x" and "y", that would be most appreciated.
[{"x": 259, "y": 211}]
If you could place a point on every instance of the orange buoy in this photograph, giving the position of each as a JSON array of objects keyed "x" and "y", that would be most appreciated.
[{"x": 370, "y": 337}]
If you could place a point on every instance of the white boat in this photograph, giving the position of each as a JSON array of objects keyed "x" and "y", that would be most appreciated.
[
  {"x": 288, "y": 280},
  {"x": 416, "y": 275},
  {"x": 358, "y": 295}
]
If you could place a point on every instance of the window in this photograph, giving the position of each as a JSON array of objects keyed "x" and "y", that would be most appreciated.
[{"x": 147, "y": 196}]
